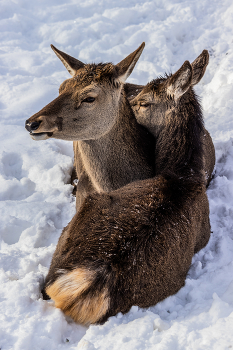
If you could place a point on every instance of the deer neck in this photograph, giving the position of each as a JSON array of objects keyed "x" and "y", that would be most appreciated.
[
  {"x": 121, "y": 156},
  {"x": 178, "y": 145}
]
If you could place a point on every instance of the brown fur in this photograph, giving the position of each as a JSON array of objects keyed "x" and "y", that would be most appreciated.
[
  {"x": 198, "y": 66},
  {"x": 110, "y": 148},
  {"x": 153, "y": 106},
  {"x": 137, "y": 242},
  {"x": 208, "y": 156},
  {"x": 69, "y": 294}
]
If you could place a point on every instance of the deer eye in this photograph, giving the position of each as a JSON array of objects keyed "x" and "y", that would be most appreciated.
[
  {"x": 144, "y": 104},
  {"x": 89, "y": 99}
]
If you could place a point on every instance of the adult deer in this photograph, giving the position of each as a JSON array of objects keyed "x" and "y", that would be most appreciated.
[
  {"x": 110, "y": 148},
  {"x": 134, "y": 245},
  {"x": 149, "y": 110}
]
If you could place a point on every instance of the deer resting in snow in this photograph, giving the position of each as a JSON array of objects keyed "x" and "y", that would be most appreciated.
[
  {"x": 134, "y": 245},
  {"x": 110, "y": 148},
  {"x": 148, "y": 110}
]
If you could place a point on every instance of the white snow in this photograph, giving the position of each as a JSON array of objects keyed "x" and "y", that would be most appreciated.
[{"x": 35, "y": 195}]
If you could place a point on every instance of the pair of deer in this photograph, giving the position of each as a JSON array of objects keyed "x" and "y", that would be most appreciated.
[{"x": 142, "y": 209}]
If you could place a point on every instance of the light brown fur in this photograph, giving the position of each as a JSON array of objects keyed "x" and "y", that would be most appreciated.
[
  {"x": 89, "y": 310},
  {"x": 68, "y": 293},
  {"x": 110, "y": 148}
]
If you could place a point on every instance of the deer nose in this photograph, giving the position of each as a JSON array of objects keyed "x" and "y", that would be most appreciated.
[{"x": 32, "y": 126}]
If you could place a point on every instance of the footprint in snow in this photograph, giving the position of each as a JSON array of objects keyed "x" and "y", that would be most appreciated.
[{"x": 12, "y": 165}]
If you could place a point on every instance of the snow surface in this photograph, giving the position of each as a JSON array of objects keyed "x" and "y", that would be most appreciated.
[{"x": 35, "y": 195}]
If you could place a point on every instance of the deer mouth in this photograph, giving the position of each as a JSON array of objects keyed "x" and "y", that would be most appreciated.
[{"x": 41, "y": 135}]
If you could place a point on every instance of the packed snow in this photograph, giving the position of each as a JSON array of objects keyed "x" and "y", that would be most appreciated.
[{"x": 35, "y": 193}]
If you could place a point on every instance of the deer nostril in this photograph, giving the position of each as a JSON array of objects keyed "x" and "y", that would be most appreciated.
[{"x": 35, "y": 125}]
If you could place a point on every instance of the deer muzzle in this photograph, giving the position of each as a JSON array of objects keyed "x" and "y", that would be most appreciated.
[
  {"x": 32, "y": 126},
  {"x": 39, "y": 135}
]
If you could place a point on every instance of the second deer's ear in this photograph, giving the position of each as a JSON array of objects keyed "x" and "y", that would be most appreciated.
[
  {"x": 71, "y": 63},
  {"x": 199, "y": 66},
  {"x": 126, "y": 66},
  {"x": 180, "y": 82}
]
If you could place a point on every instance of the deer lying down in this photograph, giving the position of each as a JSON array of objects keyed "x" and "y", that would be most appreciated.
[
  {"x": 147, "y": 114},
  {"x": 149, "y": 110},
  {"x": 110, "y": 148},
  {"x": 134, "y": 245}
]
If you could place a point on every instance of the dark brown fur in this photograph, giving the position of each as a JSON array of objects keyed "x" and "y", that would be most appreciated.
[
  {"x": 134, "y": 245},
  {"x": 155, "y": 103},
  {"x": 139, "y": 241}
]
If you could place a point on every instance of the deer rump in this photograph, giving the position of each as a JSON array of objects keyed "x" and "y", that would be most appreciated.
[{"x": 132, "y": 246}]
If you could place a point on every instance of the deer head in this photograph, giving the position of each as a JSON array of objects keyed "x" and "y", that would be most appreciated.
[
  {"x": 88, "y": 103},
  {"x": 161, "y": 96}
]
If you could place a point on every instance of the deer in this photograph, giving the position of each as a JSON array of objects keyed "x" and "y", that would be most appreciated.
[
  {"x": 134, "y": 245},
  {"x": 148, "y": 113},
  {"x": 110, "y": 148}
]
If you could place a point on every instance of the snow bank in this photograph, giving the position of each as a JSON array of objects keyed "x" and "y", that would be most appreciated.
[{"x": 35, "y": 195}]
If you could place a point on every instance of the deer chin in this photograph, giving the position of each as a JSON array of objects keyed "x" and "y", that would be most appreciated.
[{"x": 41, "y": 135}]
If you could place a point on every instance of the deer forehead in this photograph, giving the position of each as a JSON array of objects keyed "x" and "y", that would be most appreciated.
[
  {"x": 147, "y": 97},
  {"x": 91, "y": 79},
  {"x": 153, "y": 92},
  {"x": 80, "y": 91},
  {"x": 94, "y": 74},
  {"x": 142, "y": 98}
]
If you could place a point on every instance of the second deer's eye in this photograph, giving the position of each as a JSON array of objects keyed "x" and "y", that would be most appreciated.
[
  {"x": 144, "y": 104},
  {"x": 89, "y": 99}
]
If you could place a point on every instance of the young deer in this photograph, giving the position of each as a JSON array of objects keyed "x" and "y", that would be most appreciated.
[
  {"x": 148, "y": 111},
  {"x": 134, "y": 245},
  {"x": 110, "y": 148}
]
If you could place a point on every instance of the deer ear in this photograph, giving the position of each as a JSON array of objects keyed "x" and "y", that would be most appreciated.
[
  {"x": 71, "y": 63},
  {"x": 126, "y": 66},
  {"x": 199, "y": 66},
  {"x": 180, "y": 82}
]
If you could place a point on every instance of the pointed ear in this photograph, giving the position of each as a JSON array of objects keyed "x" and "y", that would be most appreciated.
[
  {"x": 199, "y": 66},
  {"x": 180, "y": 82},
  {"x": 126, "y": 66},
  {"x": 71, "y": 63}
]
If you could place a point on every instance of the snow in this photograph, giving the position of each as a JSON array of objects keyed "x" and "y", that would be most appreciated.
[{"x": 35, "y": 194}]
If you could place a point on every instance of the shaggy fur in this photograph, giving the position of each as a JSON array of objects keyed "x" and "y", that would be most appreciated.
[
  {"x": 139, "y": 242},
  {"x": 134, "y": 245},
  {"x": 151, "y": 102}
]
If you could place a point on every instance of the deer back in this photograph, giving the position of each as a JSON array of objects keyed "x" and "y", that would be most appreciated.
[{"x": 133, "y": 246}]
